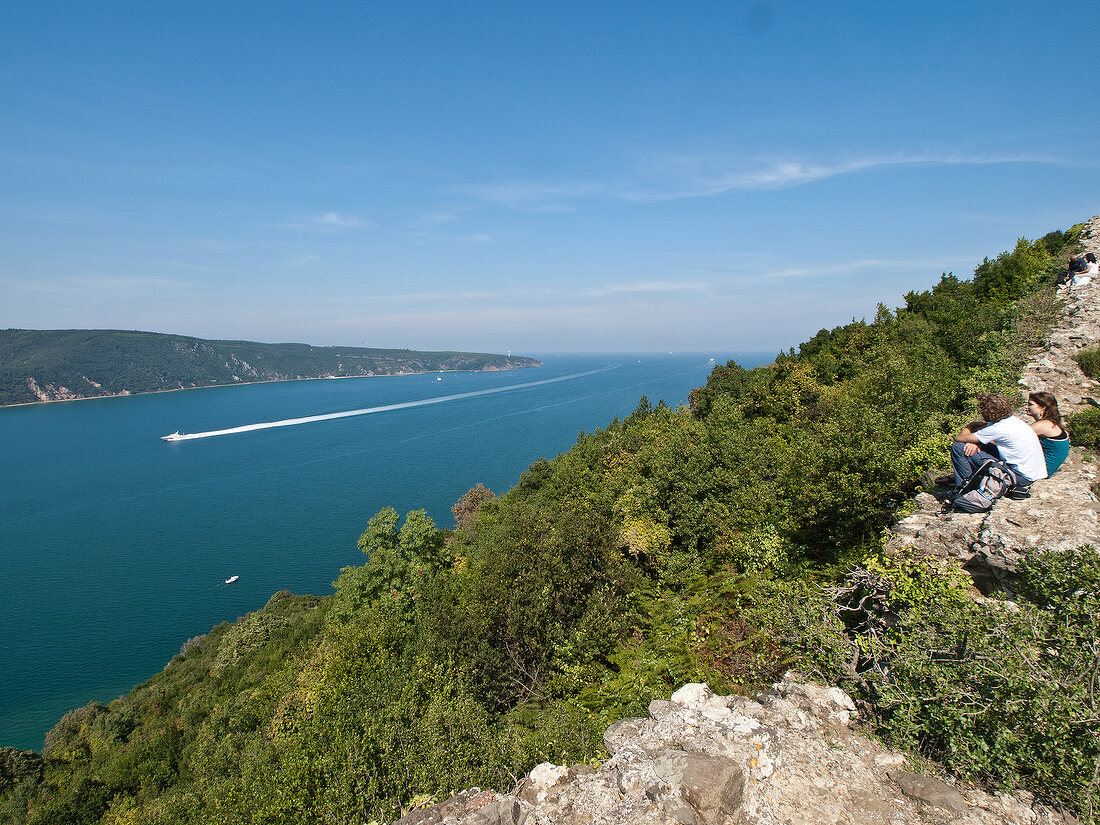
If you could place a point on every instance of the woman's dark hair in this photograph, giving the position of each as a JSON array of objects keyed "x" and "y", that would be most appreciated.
[
  {"x": 1090, "y": 257},
  {"x": 1050, "y": 407}
]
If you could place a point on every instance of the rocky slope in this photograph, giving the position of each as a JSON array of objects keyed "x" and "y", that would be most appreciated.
[
  {"x": 791, "y": 756},
  {"x": 788, "y": 757}
]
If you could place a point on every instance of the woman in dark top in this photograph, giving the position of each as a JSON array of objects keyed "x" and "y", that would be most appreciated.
[{"x": 1053, "y": 438}]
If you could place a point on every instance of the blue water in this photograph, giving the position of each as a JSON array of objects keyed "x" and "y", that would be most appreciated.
[{"x": 115, "y": 545}]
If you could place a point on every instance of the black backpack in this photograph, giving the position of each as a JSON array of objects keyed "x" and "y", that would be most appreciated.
[{"x": 990, "y": 481}]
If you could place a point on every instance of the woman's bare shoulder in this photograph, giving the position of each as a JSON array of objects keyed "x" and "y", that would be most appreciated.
[{"x": 1047, "y": 428}]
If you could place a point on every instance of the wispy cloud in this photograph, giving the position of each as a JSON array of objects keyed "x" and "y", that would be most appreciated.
[
  {"x": 644, "y": 287},
  {"x": 301, "y": 260},
  {"x": 432, "y": 218},
  {"x": 841, "y": 267},
  {"x": 341, "y": 221},
  {"x": 424, "y": 237},
  {"x": 702, "y": 175},
  {"x": 439, "y": 227},
  {"x": 326, "y": 222},
  {"x": 101, "y": 286},
  {"x": 521, "y": 193},
  {"x": 515, "y": 295},
  {"x": 191, "y": 267},
  {"x": 659, "y": 177}
]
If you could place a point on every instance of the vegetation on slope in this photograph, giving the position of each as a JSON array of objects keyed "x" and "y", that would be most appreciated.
[
  {"x": 40, "y": 365},
  {"x": 672, "y": 546}
]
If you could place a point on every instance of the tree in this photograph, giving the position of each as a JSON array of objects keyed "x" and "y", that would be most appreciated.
[
  {"x": 467, "y": 508},
  {"x": 399, "y": 562}
]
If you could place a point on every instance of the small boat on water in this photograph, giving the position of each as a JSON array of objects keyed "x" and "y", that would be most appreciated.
[
  {"x": 176, "y": 436},
  {"x": 231, "y": 579}
]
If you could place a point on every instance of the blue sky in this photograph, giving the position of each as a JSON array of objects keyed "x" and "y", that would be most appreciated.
[{"x": 531, "y": 177}]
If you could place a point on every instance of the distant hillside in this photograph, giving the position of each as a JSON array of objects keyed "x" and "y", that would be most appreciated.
[{"x": 55, "y": 365}]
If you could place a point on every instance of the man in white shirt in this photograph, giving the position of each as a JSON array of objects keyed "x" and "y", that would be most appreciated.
[{"x": 1003, "y": 436}]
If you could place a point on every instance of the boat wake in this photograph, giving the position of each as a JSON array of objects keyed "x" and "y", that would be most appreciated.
[{"x": 309, "y": 419}]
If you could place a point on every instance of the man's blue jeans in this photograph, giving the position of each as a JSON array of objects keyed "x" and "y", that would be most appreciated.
[{"x": 965, "y": 465}]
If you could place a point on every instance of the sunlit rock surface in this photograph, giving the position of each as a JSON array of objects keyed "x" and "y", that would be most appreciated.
[{"x": 790, "y": 756}]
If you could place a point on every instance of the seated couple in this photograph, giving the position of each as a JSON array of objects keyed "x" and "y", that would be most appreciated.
[
  {"x": 1082, "y": 270},
  {"x": 1031, "y": 453}
]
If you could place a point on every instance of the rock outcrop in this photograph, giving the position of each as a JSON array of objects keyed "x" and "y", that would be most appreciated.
[
  {"x": 788, "y": 757},
  {"x": 1062, "y": 514}
]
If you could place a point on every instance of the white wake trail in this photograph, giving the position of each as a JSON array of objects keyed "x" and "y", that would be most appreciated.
[{"x": 290, "y": 422}]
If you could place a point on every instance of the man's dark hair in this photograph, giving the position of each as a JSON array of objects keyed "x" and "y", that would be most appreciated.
[{"x": 994, "y": 407}]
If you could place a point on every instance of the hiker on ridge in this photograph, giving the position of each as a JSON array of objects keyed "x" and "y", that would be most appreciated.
[
  {"x": 1000, "y": 435},
  {"x": 1053, "y": 438}
]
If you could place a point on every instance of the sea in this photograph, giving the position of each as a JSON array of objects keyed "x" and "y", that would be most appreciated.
[{"x": 115, "y": 546}]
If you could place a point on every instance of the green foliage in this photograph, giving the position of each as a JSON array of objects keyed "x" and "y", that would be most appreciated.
[
  {"x": 1084, "y": 428},
  {"x": 1088, "y": 359},
  {"x": 1012, "y": 274},
  {"x": 1004, "y": 692},
  {"x": 737, "y": 633},
  {"x": 1057, "y": 241},
  {"x": 400, "y": 561}
]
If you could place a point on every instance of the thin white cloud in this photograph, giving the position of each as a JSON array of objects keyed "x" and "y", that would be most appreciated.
[
  {"x": 427, "y": 238},
  {"x": 341, "y": 221},
  {"x": 536, "y": 194},
  {"x": 325, "y": 222},
  {"x": 100, "y": 286},
  {"x": 644, "y": 287},
  {"x": 665, "y": 177},
  {"x": 437, "y": 218},
  {"x": 302, "y": 260},
  {"x": 190, "y": 267},
  {"x": 700, "y": 176},
  {"x": 841, "y": 267}
]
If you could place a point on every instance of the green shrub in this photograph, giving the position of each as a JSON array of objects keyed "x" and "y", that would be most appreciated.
[
  {"x": 1089, "y": 361},
  {"x": 1084, "y": 428},
  {"x": 1002, "y": 692}
]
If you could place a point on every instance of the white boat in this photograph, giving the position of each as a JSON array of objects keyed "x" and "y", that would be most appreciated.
[
  {"x": 231, "y": 579},
  {"x": 176, "y": 436}
]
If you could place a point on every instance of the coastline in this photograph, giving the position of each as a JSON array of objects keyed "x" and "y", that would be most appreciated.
[{"x": 127, "y": 393}]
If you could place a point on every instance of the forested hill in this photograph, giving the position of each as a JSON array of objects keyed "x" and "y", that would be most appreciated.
[{"x": 55, "y": 365}]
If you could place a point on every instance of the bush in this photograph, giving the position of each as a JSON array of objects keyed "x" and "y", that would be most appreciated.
[
  {"x": 1089, "y": 361},
  {"x": 1084, "y": 428},
  {"x": 1003, "y": 692}
]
